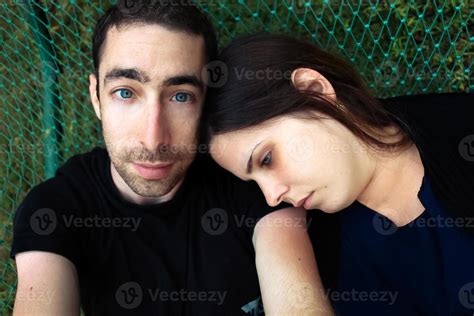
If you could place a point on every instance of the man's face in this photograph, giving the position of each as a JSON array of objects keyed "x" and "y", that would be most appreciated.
[{"x": 151, "y": 97}]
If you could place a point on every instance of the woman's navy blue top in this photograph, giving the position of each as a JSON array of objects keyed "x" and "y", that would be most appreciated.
[{"x": 423, "y": 268}]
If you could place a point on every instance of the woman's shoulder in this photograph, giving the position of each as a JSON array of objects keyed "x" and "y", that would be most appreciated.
[
  {"x": 444, "y": 101},
  {"x": 449, "y": 115},
  {"x": 441, "y": 125}
]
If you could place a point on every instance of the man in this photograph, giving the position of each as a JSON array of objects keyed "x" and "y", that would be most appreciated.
[{"x": 150, "y": 226}]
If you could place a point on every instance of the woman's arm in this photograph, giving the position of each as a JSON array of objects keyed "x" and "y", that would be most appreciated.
[{"x": 286, "y": 266}]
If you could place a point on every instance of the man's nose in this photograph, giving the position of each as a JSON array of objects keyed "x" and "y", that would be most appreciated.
[{"x": 156, "y": 129}]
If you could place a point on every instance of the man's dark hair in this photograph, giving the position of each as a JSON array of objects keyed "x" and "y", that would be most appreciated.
[{"x": 179, "y": 15}]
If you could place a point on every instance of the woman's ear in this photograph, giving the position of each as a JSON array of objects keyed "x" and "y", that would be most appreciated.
[{"x": 310, "y": 79}]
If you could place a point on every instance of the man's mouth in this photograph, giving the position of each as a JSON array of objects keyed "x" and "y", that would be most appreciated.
[{"x": 154, "y": 171}]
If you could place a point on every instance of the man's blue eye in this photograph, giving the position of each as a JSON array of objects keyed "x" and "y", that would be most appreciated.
[
  {"x": 181, "y": 97},
  {"x": 125, "y": 93}
]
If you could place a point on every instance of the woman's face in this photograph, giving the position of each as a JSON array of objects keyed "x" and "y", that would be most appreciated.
[{"x": 293, "y": 159}]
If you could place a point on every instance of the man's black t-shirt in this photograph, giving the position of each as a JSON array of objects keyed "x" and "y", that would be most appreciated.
[{"x": 190, "y": 255}]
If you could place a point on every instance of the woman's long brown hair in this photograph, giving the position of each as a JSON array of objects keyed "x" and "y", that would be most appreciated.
[{"x": 258, "y": 88}]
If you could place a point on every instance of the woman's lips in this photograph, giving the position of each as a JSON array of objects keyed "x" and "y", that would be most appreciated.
[
  {"x": 302, "y": 202},
  {"x": 152, "y": 171},
  {"x": 307, "y": 202}
]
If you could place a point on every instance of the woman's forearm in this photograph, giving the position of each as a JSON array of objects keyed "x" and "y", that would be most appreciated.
[{"x": 288, "y": 274}]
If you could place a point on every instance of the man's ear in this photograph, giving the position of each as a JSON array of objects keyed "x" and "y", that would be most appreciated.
[
  {"x": 94, "y": 94},
  {"x": 310, "y": 79}
]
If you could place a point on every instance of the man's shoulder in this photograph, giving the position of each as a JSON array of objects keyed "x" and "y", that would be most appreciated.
[
  {"x": 72, "y": 178},
  {"x": 221, "y": 185},
  {"x": 240, "y": 200},
  {"x": 43, "y": 220},
  {"x": 82, "y": 163},
  {"x": 206, "y": 171}
]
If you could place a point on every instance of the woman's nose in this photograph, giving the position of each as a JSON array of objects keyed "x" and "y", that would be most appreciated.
[{"x": 274, "y": 193}]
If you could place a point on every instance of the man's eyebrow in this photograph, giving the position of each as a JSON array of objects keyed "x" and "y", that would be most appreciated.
[
  {"x": 249, "y": 162},
  {"x": 128, "y": 73},
  {"x": 185, "y": 79}
]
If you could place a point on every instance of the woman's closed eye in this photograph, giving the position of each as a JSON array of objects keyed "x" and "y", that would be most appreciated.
[{"x": 266, "y": 161}]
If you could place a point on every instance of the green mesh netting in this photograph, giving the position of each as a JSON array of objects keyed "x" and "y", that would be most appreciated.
[{"x": 400, "y": 48}]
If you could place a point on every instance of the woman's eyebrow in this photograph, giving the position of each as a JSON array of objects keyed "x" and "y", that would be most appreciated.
[{"x": 249, "y": 162}]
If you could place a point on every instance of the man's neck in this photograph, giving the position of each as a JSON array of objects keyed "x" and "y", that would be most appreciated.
[{"x": 129, "y": 195}]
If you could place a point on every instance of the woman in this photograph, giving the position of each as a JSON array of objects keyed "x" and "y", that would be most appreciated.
[{"x": 301, "y": 123}]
